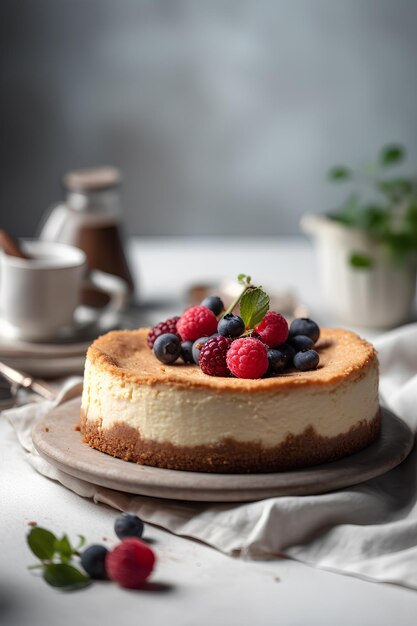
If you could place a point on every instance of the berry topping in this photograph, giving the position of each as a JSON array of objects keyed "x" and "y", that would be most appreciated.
[
  {"x": 130, "y": 563},
  {"x": 187, "y": 352},
  {"x": 167, "y": 348},
  {"x": 196, "y": 322},
  {"x": 128, "y": 525},
  {"x": 305, "y": 326},
  {"x": 213, "y": 356},
  {"x": 93, "y": 561},
  {"x": 273, "y": 329},
  {"x": 231, "y": 326},
  {"x": 196, "y": 349},
  {"x": 301, "y": 342},
  {"x": 214, "y": 303},
  {"x": 288, "y": 351},
  {"x": 307, "y": 360},
  {"x": 247, "y": 358},
  {"x": 169, "y": 326},
  {"x": 277, "y": 361}
]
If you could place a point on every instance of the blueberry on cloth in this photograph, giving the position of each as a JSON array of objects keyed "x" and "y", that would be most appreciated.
[
  {"x": 128, "y": 525},
  {"x": 93, "y": 561}
]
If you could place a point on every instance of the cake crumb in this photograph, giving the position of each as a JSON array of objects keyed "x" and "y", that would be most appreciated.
[
  {"x": 32, "y": 523},
  {"x": 46, "y": 429},
  {"x": 77, "y": 427}
]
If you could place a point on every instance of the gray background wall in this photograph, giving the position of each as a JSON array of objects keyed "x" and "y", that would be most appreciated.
[{"x": 224, "y": 115}]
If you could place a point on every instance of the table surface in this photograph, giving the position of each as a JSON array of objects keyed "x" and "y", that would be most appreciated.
[{"x": 196, "y": 585}]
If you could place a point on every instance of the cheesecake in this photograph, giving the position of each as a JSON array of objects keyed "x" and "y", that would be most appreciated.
[{"x": 174, "y": 416}]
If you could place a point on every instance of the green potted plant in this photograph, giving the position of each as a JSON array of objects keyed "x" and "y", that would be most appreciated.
[{"x": 367, "y": 248}]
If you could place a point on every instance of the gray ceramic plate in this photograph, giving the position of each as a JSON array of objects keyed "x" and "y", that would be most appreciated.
[{"x": 56, "y": 440}]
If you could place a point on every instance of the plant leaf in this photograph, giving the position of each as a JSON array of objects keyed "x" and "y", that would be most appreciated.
[
  {"x": 65, "y": 576},
  {"x": 391, "y": 155},
  {"x": 396, "y": 188},
  {"x": 42, "y": 543},
  {"x": 339, "y": 173},
  {"x": 360, "y": 261},
  {"x": 64, "y": 549},
  {"x": 254, "y": 305}
]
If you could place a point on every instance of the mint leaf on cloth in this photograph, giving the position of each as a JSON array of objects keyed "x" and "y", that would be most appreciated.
[
  {"x": 42, "y": 543},
  {"x": 65, "y": 576}
]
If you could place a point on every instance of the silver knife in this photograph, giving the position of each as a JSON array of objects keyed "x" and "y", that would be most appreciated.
[{"x": 22, "y": 379}]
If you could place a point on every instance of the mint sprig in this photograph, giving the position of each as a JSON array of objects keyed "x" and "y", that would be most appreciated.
[
  {"x": 55, "y": 557},
  {"x": 253, "y": 301},
  {"x": 254, "y": 305}
]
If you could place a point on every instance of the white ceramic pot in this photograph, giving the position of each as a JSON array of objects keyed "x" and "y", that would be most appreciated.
[{"x": 379, "y": 296}]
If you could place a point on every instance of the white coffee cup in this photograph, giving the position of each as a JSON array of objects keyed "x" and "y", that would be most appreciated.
[{"x": 40, "y": 295}]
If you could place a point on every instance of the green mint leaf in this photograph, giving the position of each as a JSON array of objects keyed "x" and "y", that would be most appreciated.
[
  {"x": 254, "y": 305},
  {"x": 361, "y": 261},
  {"x": 81, "y": 543},
  {"x": 65, "y": 576},
  {"x": 391, "y": 155},
  {"x": 243, "y": 279},
  {"x": 42, "y": 543},
  {"x": 64, "y": 549},
  {"x": 340, "y": 173}
]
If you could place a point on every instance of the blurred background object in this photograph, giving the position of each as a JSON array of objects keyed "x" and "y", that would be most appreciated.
[
  {"x": 223, "y": 115},
  {"x": 367, "y": 248},
  {"x": 90, "y": 218}
]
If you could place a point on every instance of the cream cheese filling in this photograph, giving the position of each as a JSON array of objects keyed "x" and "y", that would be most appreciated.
[{"x": 191, "y": 417}]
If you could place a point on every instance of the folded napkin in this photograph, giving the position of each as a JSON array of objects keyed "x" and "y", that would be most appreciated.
[{"x": 369, "y": 530}]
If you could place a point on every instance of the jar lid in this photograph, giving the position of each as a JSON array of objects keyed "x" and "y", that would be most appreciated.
[{"x": 92, "y": 179}]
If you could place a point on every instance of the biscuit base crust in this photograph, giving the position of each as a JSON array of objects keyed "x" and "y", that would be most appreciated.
[{"x": 229, "y": 456}]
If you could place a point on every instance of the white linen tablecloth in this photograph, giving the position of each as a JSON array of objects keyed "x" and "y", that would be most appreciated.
[{"x": 369, "y": 530}]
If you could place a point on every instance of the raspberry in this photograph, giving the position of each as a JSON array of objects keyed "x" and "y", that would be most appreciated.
[
  {"x": 197, "y": 321},
  {"x": 273, "y": 329},
  {"x": 130, "y": 563},
  {"x": 213, "y": 356},
  {"x": 247, "y": 358},
  {"x": 169, "y": 326}
]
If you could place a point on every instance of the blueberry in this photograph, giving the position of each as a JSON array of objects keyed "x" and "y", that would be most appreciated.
[
  {"x": 196, "y": 349},
  {"x": 301, "y": 342},
  {"x": 93, "y": 561},
  {"x": 214, "y": 303},
  {"x": 307, "y": 360},
  {"x": 231, "y": 326},
  {"x": 167, "y": 348},
  {"x": 277, "y": 361},
  {"x": 128, "y": 525},
  {"x": 304, "y": 326},
  {"x": 187, "y": 351},
  {"x": 288, "y": 351}
]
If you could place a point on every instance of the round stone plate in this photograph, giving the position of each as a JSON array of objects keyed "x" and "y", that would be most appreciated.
[{"x": 57, "y": 440}]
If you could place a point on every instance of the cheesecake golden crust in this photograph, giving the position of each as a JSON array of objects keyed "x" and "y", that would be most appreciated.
[
  {"x": 230, "y": 456},
  {"x": 126, "y": 356}
]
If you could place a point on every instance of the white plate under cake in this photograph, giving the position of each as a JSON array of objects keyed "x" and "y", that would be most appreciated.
[{"x": 175, "y": 416}]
